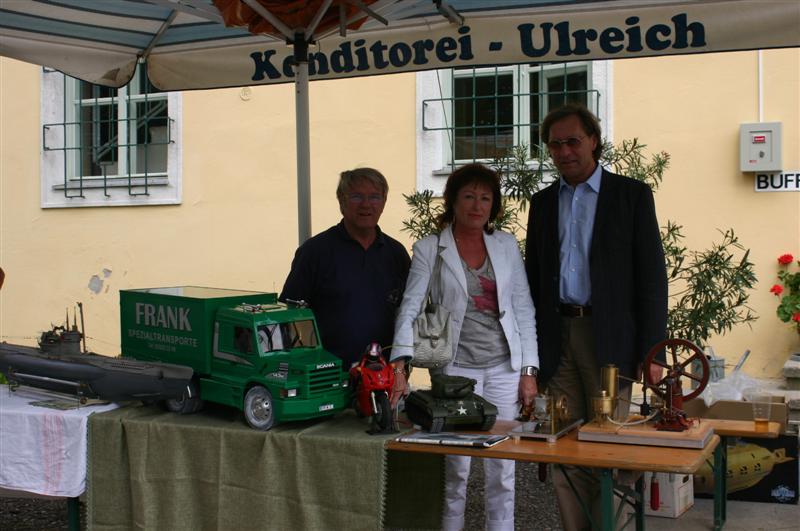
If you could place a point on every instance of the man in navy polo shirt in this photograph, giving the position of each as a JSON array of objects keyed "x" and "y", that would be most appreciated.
[{"x": 352, "y": 275}]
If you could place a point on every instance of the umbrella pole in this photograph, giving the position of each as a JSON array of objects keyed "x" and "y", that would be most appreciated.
[{"x": 303, "y": 139}]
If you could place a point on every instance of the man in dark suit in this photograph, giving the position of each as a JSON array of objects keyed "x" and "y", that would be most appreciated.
[{"x": 598, "y": 278}]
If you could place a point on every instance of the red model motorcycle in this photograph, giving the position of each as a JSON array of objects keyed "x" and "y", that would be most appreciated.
[{"x": 373, "y": 379}]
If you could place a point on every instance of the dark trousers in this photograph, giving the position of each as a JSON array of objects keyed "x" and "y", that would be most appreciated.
[{"x": 578, "y": 380}]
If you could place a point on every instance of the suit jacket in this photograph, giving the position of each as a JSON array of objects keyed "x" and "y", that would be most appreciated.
[
  {"x": 627, "y": 271},
  {"x": 513, "y": 294}
]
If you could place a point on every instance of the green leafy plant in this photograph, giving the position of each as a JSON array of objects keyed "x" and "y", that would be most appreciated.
[
  {"x": 628, "y": 159},
  {"x": 708, "y": 289},
  {"x": 789, "y": 293},
  {"x": 424, "y": 212}
]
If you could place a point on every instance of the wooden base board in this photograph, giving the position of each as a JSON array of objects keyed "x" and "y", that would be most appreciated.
[{"x": 646, "y": 434}]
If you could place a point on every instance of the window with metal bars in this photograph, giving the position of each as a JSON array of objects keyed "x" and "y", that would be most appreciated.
[
  {"x": 104, "y": 146},
  {"x": 489, "y": 110}
]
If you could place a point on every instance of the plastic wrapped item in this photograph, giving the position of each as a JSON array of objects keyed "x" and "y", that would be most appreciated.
[{"x": 731, "y": 387}]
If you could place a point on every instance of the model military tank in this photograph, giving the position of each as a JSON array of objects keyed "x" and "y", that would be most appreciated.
[{"x": 450, "y": 404}]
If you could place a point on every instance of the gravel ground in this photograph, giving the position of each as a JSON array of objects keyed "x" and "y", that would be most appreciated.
[
  {"x": 535, "y": 505},
  {"x": 33, "y": 514}
]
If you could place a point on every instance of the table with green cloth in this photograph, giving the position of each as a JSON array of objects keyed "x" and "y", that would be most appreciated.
[{"x": 149, "y": 469}]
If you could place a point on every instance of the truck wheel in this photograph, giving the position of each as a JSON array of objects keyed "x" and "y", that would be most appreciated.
[
  {"x": 186, "y": 404},
  {"x": 382, "y": 419},
  {"x": 258, "y": 409}
]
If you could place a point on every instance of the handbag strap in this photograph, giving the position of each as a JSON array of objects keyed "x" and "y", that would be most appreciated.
[{"x": 436, "y": 273}]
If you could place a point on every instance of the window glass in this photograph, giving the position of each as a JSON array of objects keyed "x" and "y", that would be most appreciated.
[
  {"x": 285, "y": 336},
  {"x": 97, "y": 126},
  {"x": 495, "y": 109},
  {"x": 552, "y": 89},
  {"x": 243, "y": 339},
  {"x": 118, "y": 132},
  {"x": 483, "y": 115}
]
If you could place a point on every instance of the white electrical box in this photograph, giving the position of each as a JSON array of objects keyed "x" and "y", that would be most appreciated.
[{"x": 760, "y": 147}]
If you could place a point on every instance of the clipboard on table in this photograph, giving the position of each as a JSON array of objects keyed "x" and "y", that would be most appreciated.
[{"x": 473, "y": 440}]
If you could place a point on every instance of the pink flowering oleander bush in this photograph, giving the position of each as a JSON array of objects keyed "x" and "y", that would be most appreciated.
[{"x": 788, "y": 291}]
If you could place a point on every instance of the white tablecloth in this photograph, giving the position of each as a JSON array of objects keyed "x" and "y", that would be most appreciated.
[{"x": 43, "y": 450}]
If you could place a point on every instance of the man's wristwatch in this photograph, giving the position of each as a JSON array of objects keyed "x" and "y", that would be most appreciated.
[{"x": 530, "y": 370}]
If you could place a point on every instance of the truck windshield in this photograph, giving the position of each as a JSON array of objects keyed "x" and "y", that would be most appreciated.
[{"x": 286, "y": 336}]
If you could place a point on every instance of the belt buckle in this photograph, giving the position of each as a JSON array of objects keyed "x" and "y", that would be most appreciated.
[{"x": 573, "y": 310}]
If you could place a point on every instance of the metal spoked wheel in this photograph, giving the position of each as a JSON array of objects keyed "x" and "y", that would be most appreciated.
[
  {"x": 680, "y": 354},
  {"x": 258, "y": 408}
]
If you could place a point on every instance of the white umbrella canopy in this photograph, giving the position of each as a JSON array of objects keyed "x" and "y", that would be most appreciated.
[{"x": 187, "y": 45}]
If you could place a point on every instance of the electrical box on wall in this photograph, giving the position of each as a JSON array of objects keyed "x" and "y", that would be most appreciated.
[{"x": 760, "y": 147}]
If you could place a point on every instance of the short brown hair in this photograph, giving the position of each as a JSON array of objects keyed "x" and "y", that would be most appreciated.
[
  {"x": 469, "y": 174},
  {"x": 589, "y": 122},
  {"x": 348, "y": 177}
]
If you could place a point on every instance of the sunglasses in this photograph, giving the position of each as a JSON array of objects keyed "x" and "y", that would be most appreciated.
[{"x": 571, "y": 142}]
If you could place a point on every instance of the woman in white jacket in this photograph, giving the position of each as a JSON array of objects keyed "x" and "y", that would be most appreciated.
[{"x": 484, "y": 286}]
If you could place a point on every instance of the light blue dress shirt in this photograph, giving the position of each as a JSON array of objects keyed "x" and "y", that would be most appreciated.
[{"x": 576, "y": 209}]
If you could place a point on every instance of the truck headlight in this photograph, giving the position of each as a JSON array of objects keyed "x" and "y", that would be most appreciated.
[{"x": 288, "y": 393}]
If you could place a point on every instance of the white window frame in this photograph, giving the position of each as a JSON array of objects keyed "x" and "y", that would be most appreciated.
[
  {"x": 163, "y": 188},
  {"x": 519, "y": 106},
  {"x": 433, "y": 146}
]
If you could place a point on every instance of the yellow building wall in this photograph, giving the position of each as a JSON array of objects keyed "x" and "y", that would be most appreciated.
[
  {"x": 691, "y": 107},
  {"x": 237, "y": 225}
]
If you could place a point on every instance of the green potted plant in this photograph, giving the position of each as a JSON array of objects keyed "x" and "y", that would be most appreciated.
[{"x": 709, "y": 288}]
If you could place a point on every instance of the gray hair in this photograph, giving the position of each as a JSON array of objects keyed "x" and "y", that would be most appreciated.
[{"x": 349, "y": 177}]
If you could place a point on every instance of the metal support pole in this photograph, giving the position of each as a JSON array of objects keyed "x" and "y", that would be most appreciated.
[
  {"x": 720, "y": 483},
  {"x": 640, "y": 503},
  {"x": 607, "y": 499},
  {"x": 302, "y": 129},
  {"x": 73, "y": 514}
]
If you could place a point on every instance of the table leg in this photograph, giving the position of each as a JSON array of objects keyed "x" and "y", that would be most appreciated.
[
  {"x": 721, "y": 483},
  {"x": 608, "y": 516},
  {"x": 639, "y": 505},
  {"x": 607, "y": 499},
  {"x": 73, "y": 514}
]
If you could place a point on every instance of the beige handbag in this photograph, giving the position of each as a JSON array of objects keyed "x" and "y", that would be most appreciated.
[{"x": 432, "y": 338}]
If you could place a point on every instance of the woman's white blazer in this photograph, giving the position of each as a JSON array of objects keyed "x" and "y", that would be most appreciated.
[{"x": 513, "y": 294}]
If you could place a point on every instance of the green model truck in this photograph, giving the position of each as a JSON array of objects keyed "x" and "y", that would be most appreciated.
[{"x": 247, "y": 350}]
